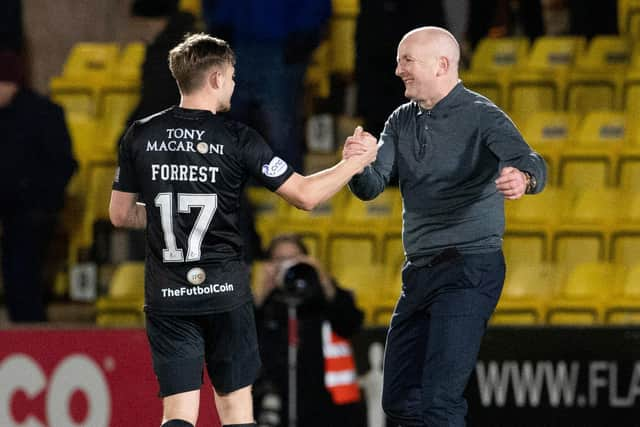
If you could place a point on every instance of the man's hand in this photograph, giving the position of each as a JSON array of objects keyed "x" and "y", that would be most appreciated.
[
  {"x": 512, "y": 183},
  {"x": 361, "y": 145}
]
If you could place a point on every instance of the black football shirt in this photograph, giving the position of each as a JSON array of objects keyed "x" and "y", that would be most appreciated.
[{"x": 189, "y": 168}]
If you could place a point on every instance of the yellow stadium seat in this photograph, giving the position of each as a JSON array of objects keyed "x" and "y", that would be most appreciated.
[
  {"x": 521, "y": 248},
  {"x": 624, "y": 307},
  {"x": 83, "y": 129},
  {"x": 88, "y": 139},
  {"x": 539, "y": 84},
  {"x": 590, "y": 161},
  {"x": 91, "y": 61},
  {"x": 268, "y": 210},
  {"x": 345, "y": 250},
  {"x": 624, "y": 247},
  {"x": 314, "y": 225},
  {"x": 582, "y": 297},
  {"x": 342, "y": 41},
  {"x": 98, "y": 196},
  {"x": 571, "y": 249},
  {"x": 595, "y": 83},
  {"x": 530, "y": 222},
  {"x": 627, "y": 173},
  {"x": 491, "y": 63},
  {"x": 130, "y": 62},
  {"x": 549, "y": 132},
  {"x": 367, "y": 281},
  {"x": 586, "y": 228},
  {"x": 123, "y": 305},
  {"x": 95, "y": 207},
  {"x": 527, "y": 288},
  {"x": 629, "y": 18},
  {"x": 373, "y": 218},
  {"x": 631, "y": 88},
  {"x": 317, "y": 78},
  {"x": 346, "y": 7},
  {"x": 393, "y": 255},
  {"x": 88, "y": 66},
  {"x": 192, "y": 6}
]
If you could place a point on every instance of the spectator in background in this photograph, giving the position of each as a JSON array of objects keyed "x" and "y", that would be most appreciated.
[
  {"x": 325, "y": 311},
  {"x": 11, "y": 30},
  {"x": 381, "y": 23},
  {"x": 36, "y": 165},
  {"x": 593, "y": 17},
  {"x": 158, "y": 86},
  {"x": 273, "y": 42},
  {"x": 502, "y": 18}
]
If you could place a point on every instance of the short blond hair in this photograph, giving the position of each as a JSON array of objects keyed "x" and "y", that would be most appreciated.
[{"x": 191, "y": 59}]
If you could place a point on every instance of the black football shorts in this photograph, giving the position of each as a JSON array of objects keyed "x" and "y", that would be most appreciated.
[{"x": 227, "y": 342}]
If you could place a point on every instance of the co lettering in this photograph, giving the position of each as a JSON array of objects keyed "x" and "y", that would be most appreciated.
[{"x": 76, "y": 372}]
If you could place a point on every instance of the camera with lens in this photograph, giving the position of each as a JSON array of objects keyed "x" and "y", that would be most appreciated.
[{"x": 301, "y": 282}]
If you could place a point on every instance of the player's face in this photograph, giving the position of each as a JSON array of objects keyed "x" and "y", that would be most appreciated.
[
  {"x": 229, "y": 74},
  {"x": 417, "y": 68}
]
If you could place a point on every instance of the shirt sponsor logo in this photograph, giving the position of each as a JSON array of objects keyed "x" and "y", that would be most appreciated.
[
  {"x": 275, "y": 168},
  {"x": 187, "y": 140},
  {"x": 211, "y": 288},
  {"x": 196, "y": 276}
]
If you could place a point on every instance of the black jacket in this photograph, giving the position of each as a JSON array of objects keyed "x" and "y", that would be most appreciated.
[
  {"x": 315, "y": 407},
  {"x": 37, "y": 161}
]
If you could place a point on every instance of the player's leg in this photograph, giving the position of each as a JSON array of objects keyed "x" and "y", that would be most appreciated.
[
  {"x": 235, "y": 408},
  {"x": 180, "y": 407},
  {"x": 233, "y": 363},
  {"x": 177, "y": 350}
]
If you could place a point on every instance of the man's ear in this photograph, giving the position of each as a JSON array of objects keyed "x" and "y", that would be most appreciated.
[
  {"x": 443, "y": 65},
  {"x": 215, "y": 79}
]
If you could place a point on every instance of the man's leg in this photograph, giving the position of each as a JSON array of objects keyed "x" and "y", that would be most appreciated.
[
  {"x": 177, "y": 350},
  {"x": 458, "y": 319},
  {"x": 235, "y": 408},
  {"x": 181, "y": 407},
  {"x": 233, "y": 362},
  {"x": 404, "y": 355}
]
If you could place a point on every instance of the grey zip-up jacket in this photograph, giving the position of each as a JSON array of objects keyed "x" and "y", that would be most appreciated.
[{"x": 447, "y": 160}]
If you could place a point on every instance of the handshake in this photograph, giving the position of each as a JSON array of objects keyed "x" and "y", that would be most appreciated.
[{"x": 361, "y": 147}]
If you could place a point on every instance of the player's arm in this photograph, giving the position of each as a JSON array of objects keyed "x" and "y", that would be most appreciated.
[
  {"x": 124, "y": 211},
  {"x": 307, "y": 192}
]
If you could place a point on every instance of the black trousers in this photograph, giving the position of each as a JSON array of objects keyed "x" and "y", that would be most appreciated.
[
  {"x": 26, "y": 236},
  {"x": 434, "y": 337}
]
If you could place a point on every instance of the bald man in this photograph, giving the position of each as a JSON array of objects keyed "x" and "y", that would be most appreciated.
[{"x": 457, "y": 157}]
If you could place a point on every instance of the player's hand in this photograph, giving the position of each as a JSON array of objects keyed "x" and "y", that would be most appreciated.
[
  {"x": 361, "y": 146},
  {"x": 357, "y": 143},
  {"x": 512, "y": 183}
]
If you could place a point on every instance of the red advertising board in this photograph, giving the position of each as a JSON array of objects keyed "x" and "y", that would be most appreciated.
[{"x": 92, "y": 377}]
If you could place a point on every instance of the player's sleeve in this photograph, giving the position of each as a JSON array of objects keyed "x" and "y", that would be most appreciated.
[
  {"x": 125, "y": 178},
  {"x": 261, "y": 162}
]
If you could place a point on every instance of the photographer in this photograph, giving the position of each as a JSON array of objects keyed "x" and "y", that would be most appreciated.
[{"x": 327, "y": 390}]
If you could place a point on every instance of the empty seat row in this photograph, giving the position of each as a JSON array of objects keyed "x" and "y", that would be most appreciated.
[
  {"x": 557, "y": 73},
  {"x": 589, "y": 293}
]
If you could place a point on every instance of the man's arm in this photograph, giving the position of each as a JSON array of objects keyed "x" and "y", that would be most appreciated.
[
  {"x": 524, "y": 169},
  {"x": 307, "y": 192},
  {"x": 124, "y": 211}
]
